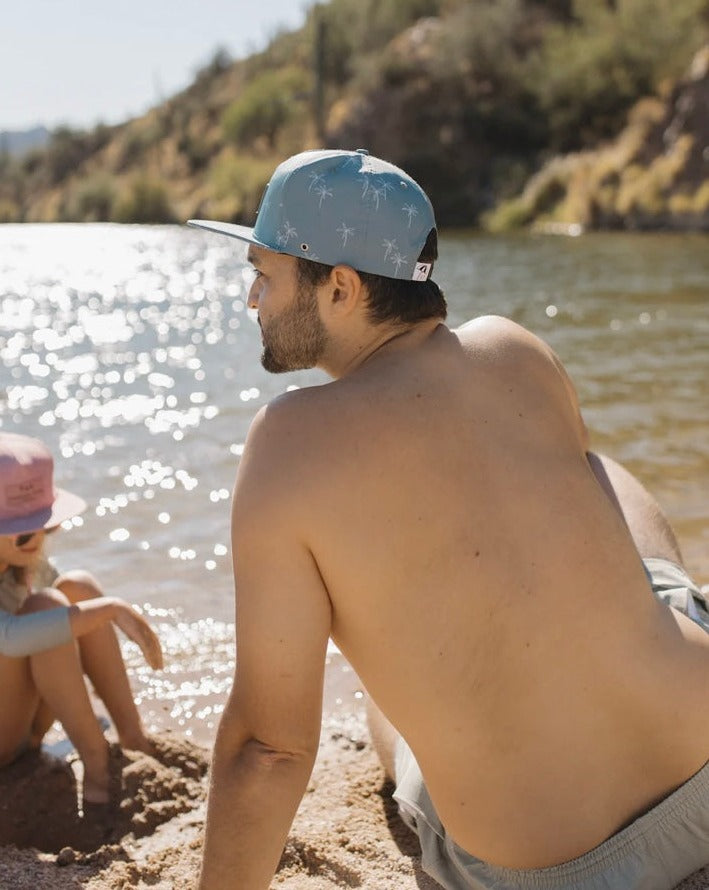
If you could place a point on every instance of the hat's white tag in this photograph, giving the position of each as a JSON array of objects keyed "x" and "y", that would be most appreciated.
[{"x": 421, "y": 271}]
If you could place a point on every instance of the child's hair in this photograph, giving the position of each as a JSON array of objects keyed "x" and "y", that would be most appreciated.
[{"x": 20, "y": 574}]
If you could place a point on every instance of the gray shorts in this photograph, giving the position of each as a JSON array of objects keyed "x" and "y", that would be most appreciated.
[
  {"x": 675, "y": 588},
  {"x": 655, "y": 852}
]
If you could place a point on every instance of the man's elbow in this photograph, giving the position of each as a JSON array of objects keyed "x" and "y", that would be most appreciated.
[
  {"x": 243, "y": 745},
  {"x": 257, "y": 768},
  {"x": 262, "y": 756}
]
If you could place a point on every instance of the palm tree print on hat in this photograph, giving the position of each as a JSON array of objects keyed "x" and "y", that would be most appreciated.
[
  {"x": 365, "y": 180},
  {"x": 315, "y": 180},
  {"x": 345, "y": 231},
  {"x": 411, "y": 211},
  {"x": 398, "y": 260},
  {"x": 389, "y": 247},
  {"x": 378, "y": 192},
  {"x": 323, "y": 191},
  {"x": 285, "y": 234}
]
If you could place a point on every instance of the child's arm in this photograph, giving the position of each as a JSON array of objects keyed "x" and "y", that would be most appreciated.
[
  {"x": 22, "y": 635},
  {"x": 90, "y": 614}
]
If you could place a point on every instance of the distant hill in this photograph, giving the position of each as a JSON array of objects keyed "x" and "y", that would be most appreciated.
[
  {"x": 473, "y": 98},
  {"x": 17, "y": 142}
]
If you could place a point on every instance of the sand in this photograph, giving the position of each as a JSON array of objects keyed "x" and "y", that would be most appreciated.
[{"x": 346, "y": 834}]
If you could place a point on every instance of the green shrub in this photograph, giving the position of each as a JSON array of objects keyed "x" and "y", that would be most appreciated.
[
  {"x": 32, "y": 161},
  {"x": 9, "y": 211},
  {"x": 218, "y": 64},
  {"x": 145, "y": 201},
  {"x": 589, "y": 73},
  {"x": 99, "y": 137},
  {"x": 94, "y": 199},
  {"x": 196, "y": 151},
  {"x": 508, "y": 216},
  {"x": 355, "y": 28},
  {"x": 132, "y": 148},
  {"x": 265, "y": 106},
  {"x": 138, "y": 140},
  {"x": 66, "y": 151},
  {"x": 236, "y": 185},
  {"x": 482, "y": 40}
]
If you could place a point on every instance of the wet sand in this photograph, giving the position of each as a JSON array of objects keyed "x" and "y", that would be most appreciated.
[{"x": 346, "y": 834}]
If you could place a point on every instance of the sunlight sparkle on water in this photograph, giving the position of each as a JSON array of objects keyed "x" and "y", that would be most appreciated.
[
  {"x": 114, "y": 350},
  {"x": 198, "y": 673},
  {"x": 75, "y": 306},
  {"x": 130, "y": 350}
]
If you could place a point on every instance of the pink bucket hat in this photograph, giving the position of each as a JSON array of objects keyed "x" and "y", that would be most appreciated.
[{"x": 28, "y": 499}]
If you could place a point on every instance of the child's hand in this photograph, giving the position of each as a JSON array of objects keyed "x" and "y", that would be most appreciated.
[{"x": 136, "y": 628}]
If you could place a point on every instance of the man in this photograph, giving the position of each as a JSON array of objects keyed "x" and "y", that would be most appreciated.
[{"x": 434, "y": 509}]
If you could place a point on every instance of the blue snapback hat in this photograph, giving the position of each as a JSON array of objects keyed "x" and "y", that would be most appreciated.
[{"x": 342, "y": 207}]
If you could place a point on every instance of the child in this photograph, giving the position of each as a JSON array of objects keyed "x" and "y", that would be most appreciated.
[{"x": 56, "y": 628}]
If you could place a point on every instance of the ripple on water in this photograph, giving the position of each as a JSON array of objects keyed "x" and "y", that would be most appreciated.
[{"x": 131, "y": 352}]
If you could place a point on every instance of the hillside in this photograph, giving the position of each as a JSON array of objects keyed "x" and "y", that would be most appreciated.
[
  {"x": 473, "y": 98},
  {"x": 654, "y": 175}
]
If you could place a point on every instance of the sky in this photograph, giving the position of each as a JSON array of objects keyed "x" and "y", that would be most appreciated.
[{"x": 81, "y": 62}]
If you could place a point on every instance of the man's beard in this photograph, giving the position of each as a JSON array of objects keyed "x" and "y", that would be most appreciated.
[{"x": 296, "y": 339}]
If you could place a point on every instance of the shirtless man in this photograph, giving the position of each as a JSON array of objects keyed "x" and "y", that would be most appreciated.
[{"x": 435, "y": 510}]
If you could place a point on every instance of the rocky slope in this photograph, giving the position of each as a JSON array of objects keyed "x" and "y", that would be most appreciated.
[{"x": 655, "y": 175}]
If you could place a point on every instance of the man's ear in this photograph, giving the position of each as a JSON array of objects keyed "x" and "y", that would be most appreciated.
[{"x": 345, "y": 290}]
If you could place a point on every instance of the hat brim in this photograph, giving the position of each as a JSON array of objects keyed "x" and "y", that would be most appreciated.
[
  {"x": 64, "y": 507},
  {"x": 243, "y": 233}
]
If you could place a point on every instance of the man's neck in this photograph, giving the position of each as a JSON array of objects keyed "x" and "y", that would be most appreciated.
[{"x": 344, "y": 358}]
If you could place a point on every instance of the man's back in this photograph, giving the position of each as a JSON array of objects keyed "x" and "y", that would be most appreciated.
[
  {"x": 435, "y": 511},
  {"x": 488, "y": 593}
]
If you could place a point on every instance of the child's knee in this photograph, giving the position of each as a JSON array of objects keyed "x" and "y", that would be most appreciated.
[
  {"x": 40, "y": 600},
  {"x": 78, "y": 585}
]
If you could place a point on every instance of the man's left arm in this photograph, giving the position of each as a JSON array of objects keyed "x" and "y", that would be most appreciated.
[{"x": 268, "y": 736}]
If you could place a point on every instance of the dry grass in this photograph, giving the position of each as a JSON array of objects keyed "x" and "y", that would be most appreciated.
[{"x": 616, "y": 182}]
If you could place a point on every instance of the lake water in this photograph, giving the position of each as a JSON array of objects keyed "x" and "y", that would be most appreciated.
[{"x": 130, "y": 351}]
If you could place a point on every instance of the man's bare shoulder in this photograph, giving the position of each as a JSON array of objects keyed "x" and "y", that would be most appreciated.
[
  {"x": 497, "y": 332},
  {"x": 509, "y": 347},
  {"x": 285, "y": 439},
  {"x": 520, "y": 358},
  {"x": 292, "y": 414}
]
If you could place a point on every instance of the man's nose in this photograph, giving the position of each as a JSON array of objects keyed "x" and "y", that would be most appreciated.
[{"x": 252, "y": 299}]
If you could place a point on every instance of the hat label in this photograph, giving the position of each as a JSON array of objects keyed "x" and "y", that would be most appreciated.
[
  {"x": 22, "y": 496},
  {"x": 421, "y": 271},
  {"x": 22, "y": 491}
]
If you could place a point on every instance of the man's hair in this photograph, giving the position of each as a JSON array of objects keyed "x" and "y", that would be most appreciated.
[{"x": 389, "y": 299}]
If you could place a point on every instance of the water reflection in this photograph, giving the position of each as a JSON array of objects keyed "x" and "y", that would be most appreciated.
[{"x": 131, "y": 352}]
